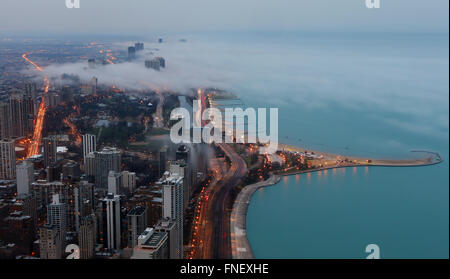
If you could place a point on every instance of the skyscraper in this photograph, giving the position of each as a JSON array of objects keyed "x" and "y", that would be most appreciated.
[
  {"x": 89, "y": 145},
  {"x": 131, "y": 52},
  {"x": 50, "y": 242},
  {"x": 56, "y": 216},
  {"x": 173, "y": 207},
  {"x": 111, "y": 221},
  {"x": 31, "y": 90},
  {"x": 21, "y": 110},
  {"x": 84, "y": 199},
  {"x": 28, "y": 206},
  {"x": 151, "y": 245},
  {"x": 49, "y": 144},
  {"x": 129, "y": 181},
  {"x": 100, "y": 163},
  {"x": 139, "y": 46},
  {"x": 7, "y": 159},
  {"x": 156, "y": 63},
  {"x": 25, "y": 176},
  {"x": 170, "y": 228},
  {"x": 115, "y": 183},
  {"x": 5, "y": 121},
  {"x": 180, "y": 168},
  {"x": 86, "y": 236},
  {"x": 137, "y": 223}
]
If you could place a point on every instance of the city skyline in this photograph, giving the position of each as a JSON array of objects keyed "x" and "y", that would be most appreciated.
[{"x": 335, "y": 118}]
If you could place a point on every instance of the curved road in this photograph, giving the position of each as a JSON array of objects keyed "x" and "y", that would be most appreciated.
[{"x": 214, "y": 236}]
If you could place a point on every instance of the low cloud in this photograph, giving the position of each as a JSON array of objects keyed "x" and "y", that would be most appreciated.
[{"x": 310, "y": 72}]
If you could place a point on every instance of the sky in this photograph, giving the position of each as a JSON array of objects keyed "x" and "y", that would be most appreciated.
[{"x": 139, "y": 16}]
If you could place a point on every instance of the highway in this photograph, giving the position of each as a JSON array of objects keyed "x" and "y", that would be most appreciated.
[
  {"x": 213, "y": 239},
  {"x": 33, "y": 149}
]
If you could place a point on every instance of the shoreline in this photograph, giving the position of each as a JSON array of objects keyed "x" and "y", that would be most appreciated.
[{"x": 240, "y": 246}]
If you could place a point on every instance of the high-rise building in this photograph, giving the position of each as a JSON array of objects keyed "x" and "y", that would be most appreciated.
[
  {"x": 86, "y": 236},
  {"x": 71, "y": 170},
  {"x": 170, "y": 228},
  {"x": 56, "y": 216},
  {"x": 7, "y": 159},
  {"x": 50, "y": 242},
  {"x": 173, "y": 207},
  {"x": 84, "y": 201},
  {"x": 161, "y": 61},
  {"x": 23, "y": 228},
  {"x": 25, "y": 176},
  {"x": 49, "y": 144},
  {"x": 31, "y": 91},
  {"x": 115, "y": 183},
  {"x": 89, "y": 145},
  {"x": 5, "y": 121},
  {"x": 129, "y": 181},
  {"x": 111, "y": 222},
  {"x": 182, "y": 169},
  {"x": 131, "y": 52},
  {"x": 137, "y": 223},
  {"x": 156, "y": 63},
  {"x": 28, "y": 206},
  {"x": 139, "y": 46},
  {"x": 21, "y": 111},
  {"x": 43, "y": 191},
  {"x": 151, "y": 245},
  {"x": 100, "y": 163}
]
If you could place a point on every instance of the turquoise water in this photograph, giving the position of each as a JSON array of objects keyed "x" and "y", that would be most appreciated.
[
  {"x": 335, "y": 214},
  {"x": 367, "y": 94}
]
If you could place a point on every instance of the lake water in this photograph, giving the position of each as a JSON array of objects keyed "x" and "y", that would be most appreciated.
[{"x": 378, "y": 95}]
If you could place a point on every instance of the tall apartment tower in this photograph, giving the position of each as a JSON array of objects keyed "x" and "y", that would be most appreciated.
[
  {"x": 21, "y": 110},
  {"x": 137, "y": 223},
  {"x": 86, "y": 236},
  {"x": 56, "y": 216},
  {"x": 84, "y": 201},
  {"x": 100, "y": 163},
  {"x": 173, "y": 208},
  {"x": 170, "y": 228},
  {"x": 25, "y": 176},
  {"x": 131, "y": 52},
  {"x": 49, "y": 151},
  {"x": 89, "y": 145},
  {"x": 129, "y": 181},
  {"x": 115, "y": 183},
  {"x": 182, "y": 169},
  {"x": 31, "y": 91},
  {"x": 7, "y": 159},
  {"x": 111, "y": 221},
  {"x": 139, "y": 46},
  {"x": 5, "y": 121},
  {"x": 151, "y": 245},
  {"x": 50, "y": 243}
]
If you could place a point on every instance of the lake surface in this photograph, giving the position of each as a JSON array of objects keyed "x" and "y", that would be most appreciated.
[
  {"x": 367, "y": 94},
  {"x": 380, "y": 97}
]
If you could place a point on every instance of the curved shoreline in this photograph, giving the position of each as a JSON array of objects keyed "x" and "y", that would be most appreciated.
[{"x": 240, "y": 246}]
